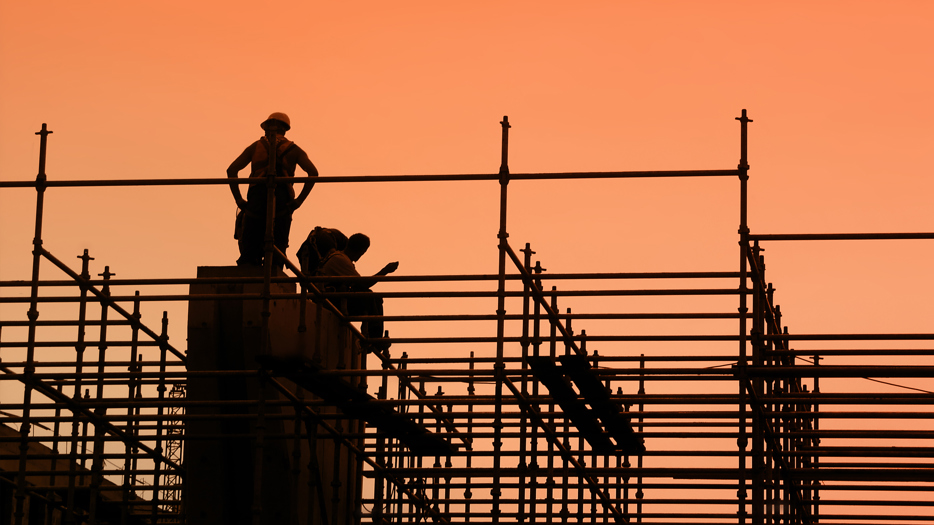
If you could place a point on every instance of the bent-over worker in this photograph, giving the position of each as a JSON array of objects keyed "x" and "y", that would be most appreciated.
[{"x": 340, "y": 263}]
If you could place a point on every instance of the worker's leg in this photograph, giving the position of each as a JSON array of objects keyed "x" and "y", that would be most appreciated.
[
  {"x": 376, "y": 308},
  {"x": 254, "y": 228},
  {"x": 368, "y": 304},
  {"x": 281, "y": 229}
]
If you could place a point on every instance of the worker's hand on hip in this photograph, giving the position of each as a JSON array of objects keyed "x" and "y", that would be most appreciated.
[{"x": 241, "y": 203}]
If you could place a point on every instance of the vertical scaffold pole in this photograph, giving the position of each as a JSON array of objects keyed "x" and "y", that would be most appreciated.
[
  {"x": 552, "y": 417},
  {"x": 742, "y": 440},
  {"x": 97, "y": 462},
  {"x": 566, "y": 465},
  {"x": 383, "y": 460},
  {"x": 536, "y": 349},
  {"x": 56, "y": 433},
  {"x": 500, "y": 367},
  {"x": 269, "y": 236},
  {"x": 268, "y": 243},
  {"x": 756, "y": 331},
  {"x": 130, "y": 449},
  {"x": 33, "y": 315},
  {"x": 814, "y": 443},
  {"x": 524, "y": 463},
  {"x": 640, "y": 494},
  {"x": 469, "y": 427},
  {"x": 160, "y": 412},
  {"x": 80, "y": 347}
]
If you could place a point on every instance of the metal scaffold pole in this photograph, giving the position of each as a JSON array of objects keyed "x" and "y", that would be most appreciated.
[
  {"x": 33, "y": 315},
  {"x": 268, "y": 268},
  {"x": 499, "y": 366},
  {"x": 79, "y": 372},
  {"x": 742, "y": 441}
]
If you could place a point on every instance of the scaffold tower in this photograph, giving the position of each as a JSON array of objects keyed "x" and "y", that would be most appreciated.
[{"x": 277, "y": 409}]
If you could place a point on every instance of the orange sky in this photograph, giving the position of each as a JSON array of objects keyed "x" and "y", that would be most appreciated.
[{"x": 840, "y": 95}]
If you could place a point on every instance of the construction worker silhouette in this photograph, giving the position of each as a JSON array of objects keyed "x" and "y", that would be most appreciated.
[
  {"x": 340, "y": 263},
  {"x": 251, "y": 220}
]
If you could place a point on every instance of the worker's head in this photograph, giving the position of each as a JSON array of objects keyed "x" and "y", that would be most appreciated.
[
  {"x": 277, "y": 122},
  {"x": 357, "y": 245}
]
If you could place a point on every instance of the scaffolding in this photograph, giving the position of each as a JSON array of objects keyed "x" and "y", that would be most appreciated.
[{"x": 738, "y": 421}]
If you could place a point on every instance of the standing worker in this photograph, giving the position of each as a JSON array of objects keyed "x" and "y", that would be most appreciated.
[{"x": 251, "y": 221}]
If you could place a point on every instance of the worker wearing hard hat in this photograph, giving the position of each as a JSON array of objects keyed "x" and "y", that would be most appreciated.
[{"x": 251, "y": 220}]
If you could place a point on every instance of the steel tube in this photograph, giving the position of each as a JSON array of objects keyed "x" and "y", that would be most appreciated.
[{"x": 379, "y": 178}]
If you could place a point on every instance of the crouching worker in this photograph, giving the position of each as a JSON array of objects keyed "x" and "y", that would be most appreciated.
[
  {"x": 340, "y": 263},
  {"x": 317, "y": 246}
]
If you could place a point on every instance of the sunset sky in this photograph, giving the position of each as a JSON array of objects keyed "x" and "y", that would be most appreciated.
[
  {"x": 842, "y": 140},
  {"x": 841, "y": 94}
]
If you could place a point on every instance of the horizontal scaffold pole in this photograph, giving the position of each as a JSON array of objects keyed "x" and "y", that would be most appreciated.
[
  {"x": 839, "y": 236},
  {"x": 380, "y": 178}
]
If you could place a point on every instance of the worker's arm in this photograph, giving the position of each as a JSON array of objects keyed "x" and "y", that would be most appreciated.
[
  {"x": 389, "y": 268},
  {"x": 365, "y": 284},
  {"x": 238, "y": 164},
  {"x": 304, "y": 163}
]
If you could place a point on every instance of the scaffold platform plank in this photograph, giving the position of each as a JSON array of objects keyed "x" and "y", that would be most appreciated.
[
  {"x": 357, "y": 404},
  {"x": 589, "y": 409}
]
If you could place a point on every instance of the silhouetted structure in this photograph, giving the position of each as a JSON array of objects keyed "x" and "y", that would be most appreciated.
[{"x": 286, "y": 417}]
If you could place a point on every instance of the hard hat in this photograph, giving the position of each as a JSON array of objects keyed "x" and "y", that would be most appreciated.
[{"x": 281, "y": 117}]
